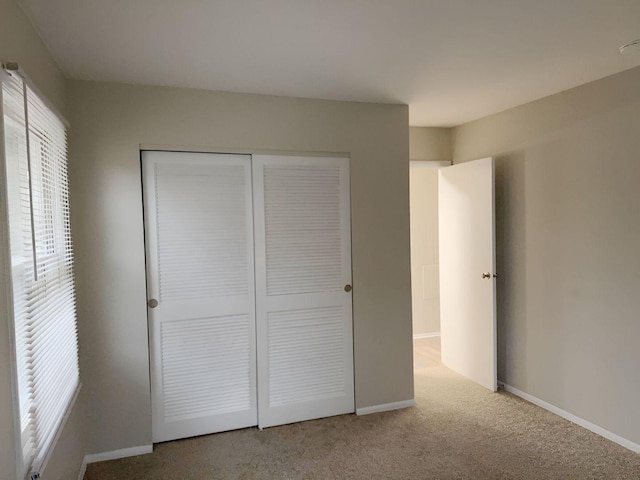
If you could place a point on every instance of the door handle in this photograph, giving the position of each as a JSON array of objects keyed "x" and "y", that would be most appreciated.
[
  {"x": 153, "y": 303},
  {"x": 347, "y": 288},
  {"x": 486, "y": 275}
]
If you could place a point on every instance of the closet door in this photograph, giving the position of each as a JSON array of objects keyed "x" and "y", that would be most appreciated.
[
  {"x": 303, "y": 288},
  {"x": 200, "y": 281}
]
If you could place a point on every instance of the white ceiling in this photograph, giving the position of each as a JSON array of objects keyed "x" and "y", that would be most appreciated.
[{"x": 451, "y": 61}]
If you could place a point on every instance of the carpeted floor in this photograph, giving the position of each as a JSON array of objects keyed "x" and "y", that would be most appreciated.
[{"x": 458, "y": 431}]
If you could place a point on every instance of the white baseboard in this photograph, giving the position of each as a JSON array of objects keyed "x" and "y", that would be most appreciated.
[
  {"x": 114, "y": 455},
  {"x": 385, "y": 407},
  {"x": 83, "y": 469},
  {"x": 426, "y": 335},
  {"x": 634, "y": 447}
]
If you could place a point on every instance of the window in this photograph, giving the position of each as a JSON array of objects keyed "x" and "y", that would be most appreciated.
[{"x": 42, "y": 266}]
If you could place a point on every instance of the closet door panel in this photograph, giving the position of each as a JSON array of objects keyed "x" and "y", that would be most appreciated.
[
  {"x": 303, "y": 263},
  {"x": 200, "y": 270}
]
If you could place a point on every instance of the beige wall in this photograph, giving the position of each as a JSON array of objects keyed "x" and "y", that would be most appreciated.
[
  {"x": 427, "y": 143},
  {"x": 568, "y": 232},
  {"x": 20, "y": 43},
  {"x": 110, "y": 121},
  {"x": 425, "y": 291}
]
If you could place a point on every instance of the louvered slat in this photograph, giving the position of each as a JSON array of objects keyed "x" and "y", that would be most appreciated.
[
  {"x": 201, "y": 221},
  {"x": 306, "y": 356},
  {"x": 205, "y": 366},
  {"x": 302, "y": 223}
]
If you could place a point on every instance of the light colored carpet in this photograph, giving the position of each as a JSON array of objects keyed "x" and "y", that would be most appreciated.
[{"x": 457, "y": 431}]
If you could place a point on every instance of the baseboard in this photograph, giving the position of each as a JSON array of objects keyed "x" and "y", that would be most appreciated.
[
  {"x": 83, "y": 469},
  {"x": 385, "y": 407},
  {"x": 115, "y": 454},
  {"x": 634, "y": 447},
  {"x": 426, "y": 335}
]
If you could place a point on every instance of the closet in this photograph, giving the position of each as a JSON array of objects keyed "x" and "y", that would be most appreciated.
[{"x": 249, "y": 290}]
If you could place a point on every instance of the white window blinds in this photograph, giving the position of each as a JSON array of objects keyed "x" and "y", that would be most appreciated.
[{"x": 42, "y": 266}]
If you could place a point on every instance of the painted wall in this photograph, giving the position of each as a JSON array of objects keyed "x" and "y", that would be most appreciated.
[
  {"x": 568, "y": 197},
  {"x": 110, "y": 121},
  {"x": 425, "y": 283},
  {"x": 427, "y": 143},
  {"x": 20, "y": 43}
]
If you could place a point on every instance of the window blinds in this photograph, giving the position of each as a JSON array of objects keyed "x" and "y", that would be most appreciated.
[{"x": 42, "y": 266}]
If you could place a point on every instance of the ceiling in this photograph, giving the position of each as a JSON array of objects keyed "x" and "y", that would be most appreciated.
[{"x": 451, "y": 61}]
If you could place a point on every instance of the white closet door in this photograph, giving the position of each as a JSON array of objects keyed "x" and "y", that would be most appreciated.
[
  {"x": 200, "y": 270},
  {"x": 303, "y": 263}
]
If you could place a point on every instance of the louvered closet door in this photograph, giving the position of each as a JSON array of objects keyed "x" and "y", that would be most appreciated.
[
  {"x": 200, "y": 269},
  {"x": 303, "y": 263}
]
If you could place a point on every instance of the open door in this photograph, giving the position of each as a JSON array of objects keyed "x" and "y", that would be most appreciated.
[{"x": 467, "y": 270}]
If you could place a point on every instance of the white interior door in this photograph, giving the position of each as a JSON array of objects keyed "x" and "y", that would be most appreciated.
[
  {"x": 467, "y": 270},
  {"x": 303, "y": 294},
  {"x": 200, "y": 281}
]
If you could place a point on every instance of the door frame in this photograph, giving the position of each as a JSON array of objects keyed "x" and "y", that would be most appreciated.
[
  {"x": 444, "y": 164},
  {"x": 433, "y": 165}
]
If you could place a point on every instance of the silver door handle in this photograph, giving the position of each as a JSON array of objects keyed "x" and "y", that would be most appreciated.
[{"x": 153, "y": 303}]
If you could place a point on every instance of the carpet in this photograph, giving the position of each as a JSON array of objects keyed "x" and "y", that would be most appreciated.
[{"x": 458, "y": 430}]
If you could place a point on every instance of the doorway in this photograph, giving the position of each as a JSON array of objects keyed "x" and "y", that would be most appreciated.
[
  {"x": 456, "y": 226},
  {"x": 425, "y": 286}
]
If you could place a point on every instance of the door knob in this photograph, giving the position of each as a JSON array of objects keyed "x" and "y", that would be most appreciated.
[
  {"x": 486, "y": 275},
  {"x": 153, "y": 303},
  {"x": 347, "y": 288}
]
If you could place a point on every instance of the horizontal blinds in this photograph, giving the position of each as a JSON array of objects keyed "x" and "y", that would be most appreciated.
[
  {"x": 42, "y": 266},
  {"x": 15, "y": 145}
]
